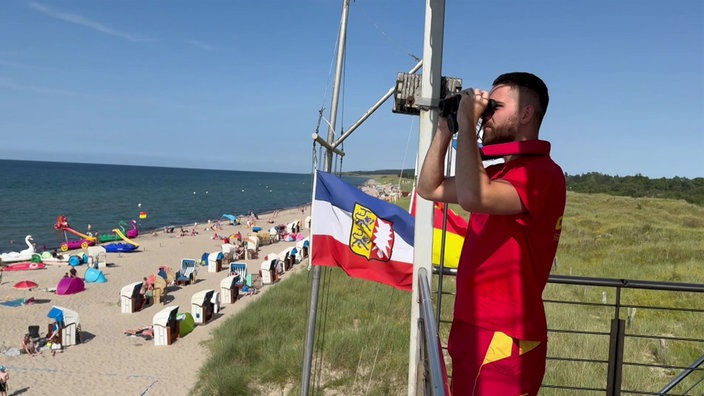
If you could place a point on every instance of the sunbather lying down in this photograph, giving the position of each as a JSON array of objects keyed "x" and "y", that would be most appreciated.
[
  {"x": 146, "y": 332},
  {"x": 249, "y": 291}
]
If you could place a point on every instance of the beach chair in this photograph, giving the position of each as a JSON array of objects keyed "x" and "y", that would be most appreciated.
[
  {"x": 33, "y": 331},
  {"x": 187, "y": 274},
  {"x": 285, "y": 257},
  {"x": 239, "y": 269}
]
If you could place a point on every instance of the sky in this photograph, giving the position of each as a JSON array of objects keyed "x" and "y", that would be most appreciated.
[{"x": 239, "y": 85}]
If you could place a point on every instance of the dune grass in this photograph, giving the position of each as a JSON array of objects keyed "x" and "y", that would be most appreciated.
[
  {"x": 364, "y": 335},
  {"x": 364, "y": 330}
]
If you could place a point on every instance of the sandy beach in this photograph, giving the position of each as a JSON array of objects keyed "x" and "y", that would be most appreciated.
[{"x": 108, "y": 362}]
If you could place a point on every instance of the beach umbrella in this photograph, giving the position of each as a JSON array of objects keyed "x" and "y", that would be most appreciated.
[{"x": 25, "y": 285}]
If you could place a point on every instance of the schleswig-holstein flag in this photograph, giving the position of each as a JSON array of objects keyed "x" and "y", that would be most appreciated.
[{"x": 367, "y": 237}]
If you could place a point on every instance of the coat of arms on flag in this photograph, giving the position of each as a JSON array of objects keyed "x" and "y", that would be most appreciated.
[{"x": 371, "y": 237}]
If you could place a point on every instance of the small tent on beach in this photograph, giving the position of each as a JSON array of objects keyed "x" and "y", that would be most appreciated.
[
  {"x": 186, "y": 323},
  {"x": 70, "y": 286},
  {"x": 94, "y": 276},
  {"x": 233, "y": 220}
]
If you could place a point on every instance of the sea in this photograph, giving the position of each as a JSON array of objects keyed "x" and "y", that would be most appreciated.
[{"x": 34, "y": 193}]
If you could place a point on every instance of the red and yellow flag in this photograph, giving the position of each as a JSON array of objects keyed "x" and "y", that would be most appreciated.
[{"x": 455, "y": 230}]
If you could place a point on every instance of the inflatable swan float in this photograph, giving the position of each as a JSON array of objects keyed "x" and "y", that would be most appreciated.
[{"x": 24, "y": 255}]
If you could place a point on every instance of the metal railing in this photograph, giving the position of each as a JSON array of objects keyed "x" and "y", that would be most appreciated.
[
  {"x": 607, "y": 336},
  {"x": 432, "y": 377}
]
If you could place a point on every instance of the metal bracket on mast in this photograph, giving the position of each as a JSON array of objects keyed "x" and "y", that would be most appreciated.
[
  {"x": 409, "y": 98},
  {"x": 327, "y": 145}
]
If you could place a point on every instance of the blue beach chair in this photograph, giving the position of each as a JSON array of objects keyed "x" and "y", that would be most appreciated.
[
  {"x": 187, "y": 274},
  {"x": 239, "y": 269}
]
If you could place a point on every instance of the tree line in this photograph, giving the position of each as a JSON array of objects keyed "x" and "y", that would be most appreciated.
[{"x": 690, "y": 190}]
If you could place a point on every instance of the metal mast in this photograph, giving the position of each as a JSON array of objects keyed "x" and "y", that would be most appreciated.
[
  {"x": 423, "y": 237},
  {"x": 315, "y": 287},
  {"x": 431, "y": 85}
]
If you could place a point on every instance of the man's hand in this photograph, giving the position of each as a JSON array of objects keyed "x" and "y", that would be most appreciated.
[{"x": 472, "y": 106}]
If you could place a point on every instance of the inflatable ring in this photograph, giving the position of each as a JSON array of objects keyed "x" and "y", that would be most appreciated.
[
  {"x": 33, "y": 266},
  {"x": 84, "y": 245},
  {"x": 64, "y": 247}
]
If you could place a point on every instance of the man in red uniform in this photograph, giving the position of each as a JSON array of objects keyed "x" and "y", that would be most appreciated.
[{"x": 498, "y": 340}]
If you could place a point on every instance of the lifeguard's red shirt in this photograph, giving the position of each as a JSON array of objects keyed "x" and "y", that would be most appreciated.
[{"x": 506, "y": 259}]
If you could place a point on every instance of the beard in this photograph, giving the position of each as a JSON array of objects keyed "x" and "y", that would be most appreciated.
[{"x": 503, "y": 133}]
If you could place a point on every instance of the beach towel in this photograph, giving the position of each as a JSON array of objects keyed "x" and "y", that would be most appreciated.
[
  {"x": 13, "y": 303},
  {"x": 12, "y": 352}
]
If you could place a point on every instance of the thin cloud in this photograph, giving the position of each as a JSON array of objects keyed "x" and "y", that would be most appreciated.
[
  {"x": 79, "y": 20},
  {"x": 24, "y": 66},
  {"x": 5, "y": 83},
  {"x": 199, "y": 44}
]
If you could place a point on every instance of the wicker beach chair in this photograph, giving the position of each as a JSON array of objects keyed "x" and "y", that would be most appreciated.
[{"x": 187, "y": 274}]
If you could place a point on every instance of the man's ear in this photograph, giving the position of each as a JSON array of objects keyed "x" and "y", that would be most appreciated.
[{"x": 527, "y": 114}]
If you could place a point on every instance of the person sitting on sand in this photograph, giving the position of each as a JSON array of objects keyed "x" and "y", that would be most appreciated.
[
  {"x": 73, "y": 273},
  {"x": 28, "y": 346},
  {"x": 239, "y": 249}
]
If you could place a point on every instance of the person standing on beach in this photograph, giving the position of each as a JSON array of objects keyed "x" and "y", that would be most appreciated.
[
  {"x": 498, "y": 338},
  {"x": 144, "y": 292},
  {"x": 4, "y": 378}
]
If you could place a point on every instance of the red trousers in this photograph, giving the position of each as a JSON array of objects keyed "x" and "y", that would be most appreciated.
[{"x": 488, "y": 363}]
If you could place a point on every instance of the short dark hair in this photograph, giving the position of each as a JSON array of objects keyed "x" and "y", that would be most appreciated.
[{"x": 529, "y": 81}]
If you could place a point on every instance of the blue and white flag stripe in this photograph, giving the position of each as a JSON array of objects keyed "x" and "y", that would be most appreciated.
[{"x": 332, "y": 189}]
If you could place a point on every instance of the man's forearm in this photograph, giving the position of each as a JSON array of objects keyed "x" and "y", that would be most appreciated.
[
  {"x": 432, "y": 173},
  {"x": 470, "y": 175}
]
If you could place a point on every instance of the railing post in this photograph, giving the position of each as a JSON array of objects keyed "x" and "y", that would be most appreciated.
[
  {"x": 613, "y": 379},
  {"x": 616, "y": 338}
]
